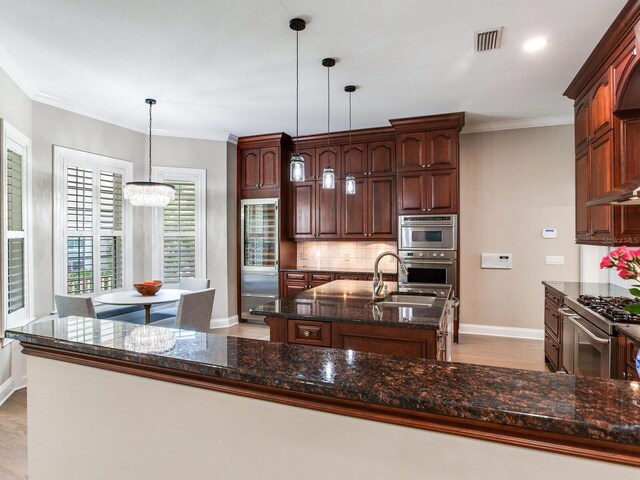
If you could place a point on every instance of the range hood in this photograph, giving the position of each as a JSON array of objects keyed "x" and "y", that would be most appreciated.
[{"x": 626, "y": 194}]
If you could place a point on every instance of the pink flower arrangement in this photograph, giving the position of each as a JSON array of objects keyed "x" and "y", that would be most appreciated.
[{"x": 627, "y": 262}]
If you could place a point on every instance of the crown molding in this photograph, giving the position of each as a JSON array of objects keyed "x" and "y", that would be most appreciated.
[{"x": 517, "y": 124}]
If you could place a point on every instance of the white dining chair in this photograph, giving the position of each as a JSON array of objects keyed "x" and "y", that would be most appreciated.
[
  {"x": 194, "y": 284},
  {"x": 194, "y": 312},
  {"x": 74, "y": 306}
]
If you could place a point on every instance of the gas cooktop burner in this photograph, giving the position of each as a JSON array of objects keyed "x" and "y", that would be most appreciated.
[{"x": 611, "y": 308}]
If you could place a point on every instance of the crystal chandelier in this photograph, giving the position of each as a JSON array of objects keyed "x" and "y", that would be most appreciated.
[
  {"x": 328, "y": 174},
  {"x": 296, "y": 168},
  {"x": 149, "y": 194},
  {"x": 350, "y": 180}
]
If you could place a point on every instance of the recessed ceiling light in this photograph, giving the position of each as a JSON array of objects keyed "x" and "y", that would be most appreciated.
[{"x": 535, "y": 44}]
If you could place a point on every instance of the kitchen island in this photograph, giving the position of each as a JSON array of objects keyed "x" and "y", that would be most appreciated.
[
  {"x": 214, "y": 406},
  {"x": 343, "y": 314}
]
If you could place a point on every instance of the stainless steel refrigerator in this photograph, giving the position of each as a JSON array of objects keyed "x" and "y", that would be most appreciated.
[{"x": 260, "y": 254}]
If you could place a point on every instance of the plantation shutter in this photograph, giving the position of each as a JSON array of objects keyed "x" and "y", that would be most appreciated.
[
  {"x": 179, "y": 226},
  {"x": 15, "y": 230},
  {"x": 80, "y": 229},
  {"x": 111, "y": 268}
]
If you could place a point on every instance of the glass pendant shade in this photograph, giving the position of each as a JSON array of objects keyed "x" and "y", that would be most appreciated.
[
  {"x": 328, "y": 178},
  {"x": 350, "y": 185},
  {"x": 149, "y": 194},
  {"x": 296, "y": 168}
]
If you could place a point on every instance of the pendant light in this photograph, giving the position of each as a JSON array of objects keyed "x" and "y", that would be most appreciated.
[
  {"x": 328, "y": 174},
  {"x": 296, "y": 167},
  {"x": 350, "y": 180},
  {"x": 149, "y": 194}
]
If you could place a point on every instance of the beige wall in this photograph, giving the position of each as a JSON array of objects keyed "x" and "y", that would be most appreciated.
[
  {"x": 513, "y": 184},
  {"x": 15, "y": 108},
  {"x": 232, "y": 227},
  {"x": 54, "y": 126},
  {"x": 211, "y": 156}
]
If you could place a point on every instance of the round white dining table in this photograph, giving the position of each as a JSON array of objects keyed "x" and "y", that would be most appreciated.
[{"x": 131, "y": 297}]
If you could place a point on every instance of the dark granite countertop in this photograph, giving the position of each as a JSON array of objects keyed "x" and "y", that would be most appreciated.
[
  {"x": 585, "y": 407},
  {"x": 630, "y": 330},
  {"x": 364, "y": 271},
  {"x": 349, "y": 301},
  {"x": 574, "y": 289}
]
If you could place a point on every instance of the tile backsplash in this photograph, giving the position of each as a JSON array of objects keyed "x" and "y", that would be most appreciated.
[{"x": 346, "y": 254}]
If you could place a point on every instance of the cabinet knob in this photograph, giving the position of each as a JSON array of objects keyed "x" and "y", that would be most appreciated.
[
  {"x": 428, "y": 165},
  {"x": 624, "y": 375},
  {"x": 424, "y": 166},
  {"x": 257, "y": 185},
  {"x": 306, "y": 333},
  {"x": 365, "y": 174},
  {"x": 424, "y": 209}
]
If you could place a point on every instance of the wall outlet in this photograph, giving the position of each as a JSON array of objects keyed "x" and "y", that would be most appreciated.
[
  {"x": 347, "y": 257},
  {"x": 555, "y": 260}
]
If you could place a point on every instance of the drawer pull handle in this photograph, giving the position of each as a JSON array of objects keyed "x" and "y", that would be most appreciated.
[{"x": 306, "y": 333}]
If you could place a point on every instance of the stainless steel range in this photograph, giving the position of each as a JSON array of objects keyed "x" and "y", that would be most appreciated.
[{"x": 589, "y": 334}]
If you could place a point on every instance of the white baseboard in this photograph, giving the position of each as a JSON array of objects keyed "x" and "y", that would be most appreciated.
[
  {"x": 6, "y": 390},
  {"x": 497, "y": 331},
  {"x": 224, "y": 322}
]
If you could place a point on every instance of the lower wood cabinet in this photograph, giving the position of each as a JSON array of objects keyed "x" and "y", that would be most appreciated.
[
  {"x": 398, "y": 341},
  {"x": 627, "y": 353},
  {"x": 293, "y": 282},
  {"x": 553, "y": 329}
]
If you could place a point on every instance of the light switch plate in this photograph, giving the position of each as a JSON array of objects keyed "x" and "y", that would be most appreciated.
[{"x": 555, "y": 260}]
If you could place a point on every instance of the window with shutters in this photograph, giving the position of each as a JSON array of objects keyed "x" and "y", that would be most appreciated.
[
  {"x": 180, "y": 226},
  {"x": 16, "y": 308},
  {"x": 92, "y": 244}
]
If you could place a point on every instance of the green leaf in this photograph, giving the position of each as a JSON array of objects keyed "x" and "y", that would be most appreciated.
[
  {"x": 633, "y": 308},
  {"x": 635, "y": 292}
]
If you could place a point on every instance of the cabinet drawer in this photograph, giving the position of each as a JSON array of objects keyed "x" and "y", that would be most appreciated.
[
  {"x": 553, "y": 297},
  {"x": 309, "y": 333},
  {"x": 552, "y": 319},
  {"x": 321, "y": 277},
  {"x": 301, "y": 276},
  {"x": 348, "y": 276},
  {"x": 551, "y": 350}
]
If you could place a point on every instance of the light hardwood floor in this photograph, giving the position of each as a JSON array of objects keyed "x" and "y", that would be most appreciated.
[{"x": 494, "y": 351}]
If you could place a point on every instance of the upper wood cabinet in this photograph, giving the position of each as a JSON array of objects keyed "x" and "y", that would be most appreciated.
[
  {"x": 428, "y": 192},
  {"x": 412, "y": 151},
  {"x": 382, "y": 158},
  {"x": 373, "y": 159},
  {"x": 607, "y": 133},
  {"x": 250, "y": 169},
  {"x": 600, "y": 110},
  {"x": 260, "y": 168},
  {"x": 327, "y": 214},
  {"x": 329, "y": 157},
  {"x": 303, "y": 210},
  {"x": 442, "y": 149},
  {"x": 354, "y": 160},
  {"x": 370, "y": 213},
  {"x": 427, "y": 150}
]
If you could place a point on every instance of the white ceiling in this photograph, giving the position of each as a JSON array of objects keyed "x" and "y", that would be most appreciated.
[{"x": 228, "y": 66}]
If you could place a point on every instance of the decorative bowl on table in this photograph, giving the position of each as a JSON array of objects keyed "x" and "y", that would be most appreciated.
[{"x": 148, "y": 287}]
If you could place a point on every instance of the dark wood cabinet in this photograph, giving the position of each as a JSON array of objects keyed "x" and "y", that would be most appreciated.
[
  {"x": 442, "y": 149},
  {"x": 583, "y": 180},
  {"x": 381, "y": 212},
  {"x": 327, "y": 211},
  {"x": 294, "y": 282},
  {"x": 355, "y": 160},
  {"x": 442, "y": 191},
  {"x": 607, "y": 133},
  {"x": 627, "y": 352},
  {"x": 250, "y": 169},
  {"x": 303, "y": 210},
  {"x": 370, "y": 213},
  {"x": 427, "y": 192},
  {"x": 553, "y": 329},
  {"x": 382, "y": 158},
  {"x": 411, "y": 149},
  {"x": 329, "y": 157},
  {"x": 260, "y": 168},
  {"x": 354, "y": 214}
]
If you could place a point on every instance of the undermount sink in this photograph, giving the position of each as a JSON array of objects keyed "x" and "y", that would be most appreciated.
[{"x": 404, "y": 300}]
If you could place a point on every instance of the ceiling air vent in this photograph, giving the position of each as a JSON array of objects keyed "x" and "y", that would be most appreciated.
[{"x": 489, "y": 39}]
